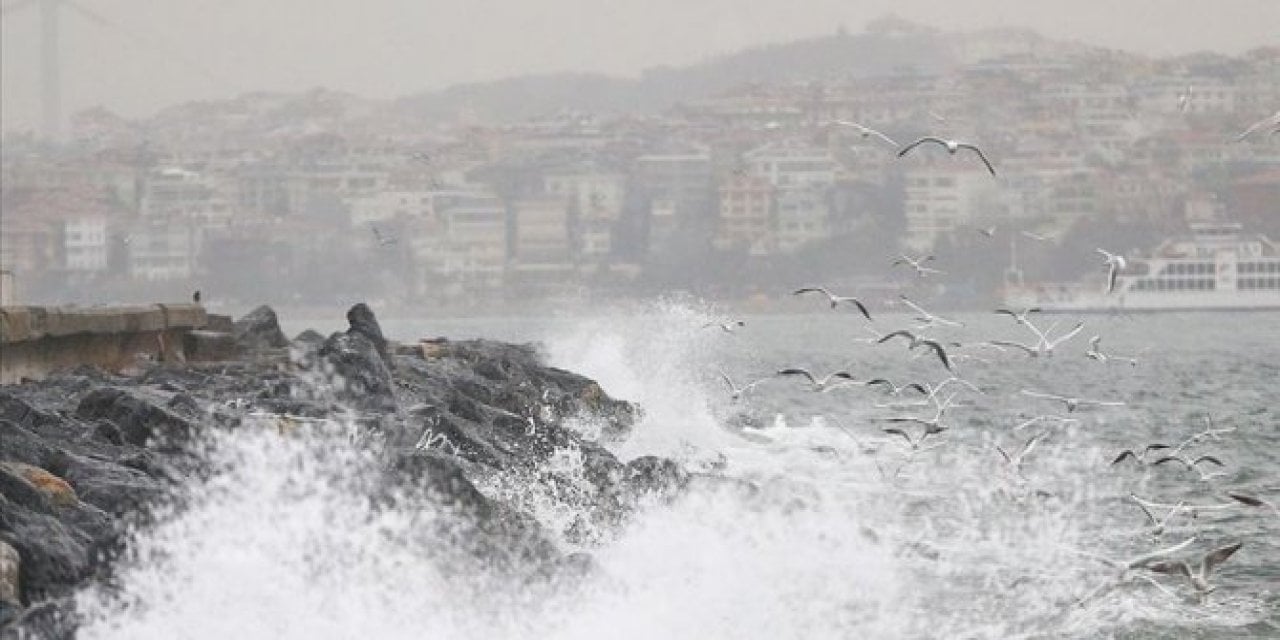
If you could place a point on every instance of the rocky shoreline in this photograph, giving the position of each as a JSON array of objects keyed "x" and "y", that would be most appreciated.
[{"x": 85, "y": 455}]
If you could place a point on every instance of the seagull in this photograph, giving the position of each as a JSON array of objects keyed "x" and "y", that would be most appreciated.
[
  {"x": 1143, "y": 560},
  {"x": 1072, "y": 403},
  {"x": 895, "y": 389},
  {"x": 1045, "y": 346},
  {"x": 1038, "y": 419},
  {"x": 1193, "y": 465},
  {"x": 1140, "y": 458},
  {"x": 989, "y": 232},
  {"x": 1015, "y": 461},
  {"x": 421, "y": 156},
  {"x": 383, "y": 241},
  {"x": 1184, "y": 98},
  {"x": 917, "y": 264},
  {"x": 1115, "y": 264},
  {"x": 931, "y": 426},
  {"x": 734, "y": 390},
  {"x": 952, "y": 147},
  {"x": 916, "y": 341},
  {"x": 1157, "y": 526},
  {"x": 866, "y": 132},
  {"x": 727, "y": 327},
  {"x": 820, "y": 384},
  {"x": 927, "y": 318},
  {"x": 1199, "y": 578},
  {"x": 1210, "y": 433},
  {"x": 195, "y": 297},
  {"x": 835, "y": 300},
  {"x": 1271, "y": 121},
  {"x": 1019, "y": 316},
  {"x": 1095, "y": 352},
  {"x": 1038, "y": 237},
  {"x": 914, "y": 443}
]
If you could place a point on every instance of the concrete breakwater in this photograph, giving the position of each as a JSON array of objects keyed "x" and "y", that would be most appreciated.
[
  {"x": 36, "y": 341},
  {"x": 86, "y": 455}
]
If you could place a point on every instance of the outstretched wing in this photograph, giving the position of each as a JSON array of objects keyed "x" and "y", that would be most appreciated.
[
  {"x": 798, "y": 372},
  {"x": 1219, "y": 556},
  {"x": 900, "y": 332},
  {"x": 1169, "y": 459},
  {"x": 1018, "y": 345},
  {"x": 804, "y": 290},
  {"x": 919, "y": 142},
  {"x": 1127, "y": 453},
  {"x": 1174, "y": 567},
  {"x": 937, "y": 348},
  {"x": 1210, "y": 459},
  {"x": 857, "y": 303},
  {"x": 982, "y": 156}
]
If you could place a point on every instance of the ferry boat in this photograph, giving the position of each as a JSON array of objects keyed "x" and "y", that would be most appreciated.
[{"x": 1216, "y": 267}]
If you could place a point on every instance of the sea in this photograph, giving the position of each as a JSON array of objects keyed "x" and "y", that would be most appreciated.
[{"x": 848, "y": 532}]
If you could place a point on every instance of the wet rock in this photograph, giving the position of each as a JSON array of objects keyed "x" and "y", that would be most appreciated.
[
  {"x": 259, "y": 329},
  {"x": 10, "y": 565},
  {"x": 54, "y": 489},
  {"x": 362, "y": 322},
  {"x": 140, "y": 422},
  {"x": 210, "y": 346},
  {"x": 355, "y": 367}
]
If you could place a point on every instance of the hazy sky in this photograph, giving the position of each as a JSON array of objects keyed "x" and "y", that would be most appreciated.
[{"x": 163, "y": 52}]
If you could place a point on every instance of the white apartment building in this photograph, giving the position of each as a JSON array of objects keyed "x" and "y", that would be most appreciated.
[
  {"x": 85, "y": 243},
  {"x": 941, "y": 198}
]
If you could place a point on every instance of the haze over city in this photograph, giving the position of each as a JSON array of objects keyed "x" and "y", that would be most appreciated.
[{"x": 135, "y": 57}]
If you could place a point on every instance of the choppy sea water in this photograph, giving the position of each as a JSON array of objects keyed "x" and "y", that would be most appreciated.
[{"x": 852, "y": 534}]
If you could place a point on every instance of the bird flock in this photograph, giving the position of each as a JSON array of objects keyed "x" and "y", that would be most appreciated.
[{"x": 921, "y": 419}]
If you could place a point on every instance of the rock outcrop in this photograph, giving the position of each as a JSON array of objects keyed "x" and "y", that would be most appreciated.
[{"x": 83, "y": 453}]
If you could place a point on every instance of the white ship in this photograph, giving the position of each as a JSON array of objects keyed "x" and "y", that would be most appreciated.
[{"x": 1217, "y": 267}]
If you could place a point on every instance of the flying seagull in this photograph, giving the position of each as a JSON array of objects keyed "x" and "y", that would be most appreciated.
[
  {"x": 1141, "y": 457},
  {"x": 1143, "y": 560},
  {"x": 1199, "y": 577},
  {"x": 917, "y": 264},
  {"x": 826, "y": 383},
  {"x": 734, "y": 390},
  {"x": 1044, "y": 347},
  {"x": 1019, "y": 316},
  {"x": 866, "y": 132},
  {"x": 989, "y": 232},
  {"x": 1095, "y": 352},
  {"x": 1157, "y": 526},
  {"x": 1184, "y": 98},
  {"x": 1115, "y": 263},
  {"x": 1071, "y": 403},
  {"x": 1193, "y": 464},
  {"x": 931, "y": 425},
  {"x": 913, "y": 443},
  {"x": 835, "y": 300},
  {"x": 1270, "y": 121},
  {"x": 952, "y": 146},
  {"x": 916, "y": 341},
  {"x": 727, "y": 327},
  {"x": 1253, "y": 501},
  {"x": 928, "y": 319},
  {"x": 1038, "y": 236},
  {"x": 383, "y": 241},
  {"x": 1015, "y": 460},
  {"x": 894, "y": 389}
]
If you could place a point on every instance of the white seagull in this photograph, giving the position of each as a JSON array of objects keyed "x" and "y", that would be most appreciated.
[
  {"x": 1071, "y": 403},
  {"x": 1019, "y": 316},
  {"x": 952, "y": 146},
  {"x": 1199, "y": 577},
  {"x": 917, "y": 264},
  {"x": 928, "y": 319},
  {"x": 866, "y": 132},
  {"x": 734, "y": 390},
  {"x": 1115, "y": 263},
  {"x": 383, "y": 241},
  {"x": 931, "y": 425},
  {"x": 1139, "y": 457},
  {"x": 1044, "y": 346},
  {"x": 1193, "y": 464},
  {"x": 826, "y": 383},
  {"x": 1270, "y": 121},
  {"x": 1038, "y": 236},
  {"x": 894, "y": 389},
  {"x": 727, "y": 327},
  {"x": 1157, "y": 526},
  {"x": 916, "y": 341},
  {"x": 1184, "y": 98},
  {"x": 1095, "y": 352},
  {"x": 834, "y": 299},
  {"x": 1015, "y": 460}
]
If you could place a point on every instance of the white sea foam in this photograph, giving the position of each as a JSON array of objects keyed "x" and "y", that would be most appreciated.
[{"x": 811, "y": 540}]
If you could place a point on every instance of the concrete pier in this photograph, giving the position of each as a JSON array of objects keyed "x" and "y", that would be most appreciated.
[{"x": 36, "y": 341}]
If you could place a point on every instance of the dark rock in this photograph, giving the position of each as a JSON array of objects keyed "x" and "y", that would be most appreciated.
[
  {"x": 354, "y": 365},
  {"x": 140, "y": 422},
  {"x": 259, "y": 329},
  {"x": 308, "y": 337},
  {"x": 362, "y": 321}
]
